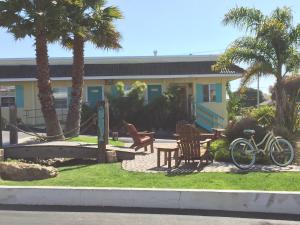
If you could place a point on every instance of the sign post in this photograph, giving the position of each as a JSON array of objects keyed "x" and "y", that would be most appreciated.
[
  {"x": 101, "y": 131},
  {"x": 13, "y": 132}
]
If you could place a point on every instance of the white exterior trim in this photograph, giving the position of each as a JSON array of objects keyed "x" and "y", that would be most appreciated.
[
  {"x": 113, "y": 60},
  {"x": 133, "y": 77}
]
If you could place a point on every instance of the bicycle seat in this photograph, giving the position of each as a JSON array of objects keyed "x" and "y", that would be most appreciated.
[{"x": 249, "y": 132}]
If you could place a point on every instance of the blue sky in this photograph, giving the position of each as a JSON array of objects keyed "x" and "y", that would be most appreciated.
[{"x": 172, "y": 27}]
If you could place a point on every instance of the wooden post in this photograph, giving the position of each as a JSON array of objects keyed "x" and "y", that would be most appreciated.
[
  {"x": 101, "y": 132},
  {"x": 106, "y": 122},
  {"x": 13, "y": 132},
  {"x": 1, "y": 126}
]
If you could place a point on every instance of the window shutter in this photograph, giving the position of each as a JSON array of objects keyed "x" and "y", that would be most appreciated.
[
  {"x": 219, "y": 92},
  {"x": 113, "y": 91},
  {"x": 199, "y": 93},
  {"x": 20, "y": 96}
]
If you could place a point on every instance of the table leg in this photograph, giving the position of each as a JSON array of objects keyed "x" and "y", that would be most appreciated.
[{"x": 158, "y": 158}]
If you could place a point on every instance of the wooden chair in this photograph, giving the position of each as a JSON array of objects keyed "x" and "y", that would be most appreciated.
[
  {"x": 192, "y": 145},
  {"x": 140, "y": 139}
]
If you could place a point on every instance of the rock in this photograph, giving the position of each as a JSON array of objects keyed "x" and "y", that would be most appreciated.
[
  {"x": 111, "y": 156},
  {"x": 19, "y": 171}
]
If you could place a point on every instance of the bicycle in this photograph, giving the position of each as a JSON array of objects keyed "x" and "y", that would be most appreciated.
[{"x": 243, "y": 151}]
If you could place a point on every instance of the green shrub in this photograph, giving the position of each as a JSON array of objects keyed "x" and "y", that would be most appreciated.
[
  {"x": 264, "y": 115},
  {"x": 220, "y": 150},
  {"x": 234, "y": 131},
  {"x": 161, "y": 113}
]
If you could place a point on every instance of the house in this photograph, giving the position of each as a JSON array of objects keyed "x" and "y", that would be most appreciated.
[{"x": 203, "y": 90}]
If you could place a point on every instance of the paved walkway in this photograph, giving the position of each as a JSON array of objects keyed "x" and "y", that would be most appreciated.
[{"x": 147, "y": 162}]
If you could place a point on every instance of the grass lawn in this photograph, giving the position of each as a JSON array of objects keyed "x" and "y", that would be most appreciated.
[
  {"x": 111, "y": 175},
  {"x": 93, "y": 140}
]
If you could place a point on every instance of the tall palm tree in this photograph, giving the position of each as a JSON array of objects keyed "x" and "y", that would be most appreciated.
[
  {"x": 269, "y": 48},
  {"x": 88, "y": 21},
  {"x": 38, "y": 19}
]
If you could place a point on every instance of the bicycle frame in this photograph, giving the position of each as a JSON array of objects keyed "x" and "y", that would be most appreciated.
[{"x": 269, "y": 138}]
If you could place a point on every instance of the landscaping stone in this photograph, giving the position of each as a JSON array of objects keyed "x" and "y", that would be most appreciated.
[
  {"x": 19, "y": 171},
  {"x": 1, "y": 155},
  {"x": 111, "y": 156}
]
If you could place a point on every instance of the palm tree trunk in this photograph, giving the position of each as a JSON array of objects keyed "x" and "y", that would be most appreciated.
[
  {"x": 54, "y": 131},
  {"x": 282, "y": 109},
  {"x": 74, "y": 113}
]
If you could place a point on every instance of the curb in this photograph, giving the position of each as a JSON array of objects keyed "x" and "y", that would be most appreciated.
[{"x": 223, "y": 200}]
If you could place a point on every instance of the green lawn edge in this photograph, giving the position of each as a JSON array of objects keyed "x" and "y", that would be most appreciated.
[
  {"x": 93, "y": 140},
  {"x": 112, "y": 175}
]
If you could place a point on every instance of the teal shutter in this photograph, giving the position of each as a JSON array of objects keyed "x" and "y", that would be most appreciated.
[
  {"x": 219, "y": 92},
  {"x": 20, "y": 96},
  {"x": 94, "y": 95},
  {"x": 199, "y": 93},
  {"x": 154, "y": 91},
  {"x": 69, "y": 95},
  {"x": 113, "y": 91}
]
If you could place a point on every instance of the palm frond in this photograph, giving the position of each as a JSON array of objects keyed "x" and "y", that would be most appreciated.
[{"x": 244, "y": 18}]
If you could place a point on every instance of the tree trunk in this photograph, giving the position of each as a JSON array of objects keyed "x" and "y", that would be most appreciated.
[
  {"x": 282, "y": 108},
  {"x": 54, "y": 131},
  {"x": 74, "y": 113}
]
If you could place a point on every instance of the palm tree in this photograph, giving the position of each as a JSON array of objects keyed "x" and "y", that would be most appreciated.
[
  {"x": 269, "y": 48},
  {"x": 38, "y": 19},
  {"x": 87, "y": 21}
]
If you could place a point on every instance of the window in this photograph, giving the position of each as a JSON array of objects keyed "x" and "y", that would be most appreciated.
[
  {"x": 209, "y": 93},
  {"x": 7, "y": 101},
  {"x": 60, "y": 98},
  {"x": 7, "y": 96}
]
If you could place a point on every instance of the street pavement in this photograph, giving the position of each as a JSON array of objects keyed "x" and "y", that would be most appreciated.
[{"x": 46, "y": 217}]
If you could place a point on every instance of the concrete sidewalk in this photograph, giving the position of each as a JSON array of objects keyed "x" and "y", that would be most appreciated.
[{"x": 223, "y": 200}]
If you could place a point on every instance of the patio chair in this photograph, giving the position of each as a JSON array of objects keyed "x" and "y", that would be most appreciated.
[
  {"x": 140, "y": 139},
  {"x": 192, "y": 145}
]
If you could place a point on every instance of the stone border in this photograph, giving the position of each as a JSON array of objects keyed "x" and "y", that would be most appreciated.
[{"x": 225, "y": 200}]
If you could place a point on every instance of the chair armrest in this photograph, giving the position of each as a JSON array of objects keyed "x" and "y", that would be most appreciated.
[
  {"x": 151, "y": 134},
  {"x": 206, "y": 141}
]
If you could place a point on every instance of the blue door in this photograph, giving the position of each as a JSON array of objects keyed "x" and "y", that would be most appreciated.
[
  {"x": 154, "y": 91},
  {"x": 94, "y": 95}
]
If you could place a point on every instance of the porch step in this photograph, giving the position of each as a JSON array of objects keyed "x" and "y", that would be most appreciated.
[{"x": 208, "y": 119}]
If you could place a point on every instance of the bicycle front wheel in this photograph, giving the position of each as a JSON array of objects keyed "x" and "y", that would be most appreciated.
[
  {"x": 282, "y": 152},
  {"x": 243, "y": 154}
]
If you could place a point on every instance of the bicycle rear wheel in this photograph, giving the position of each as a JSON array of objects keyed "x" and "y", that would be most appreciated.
[
  {"x": 282, "y": 152},
  {"x": 243, "y": 154}
]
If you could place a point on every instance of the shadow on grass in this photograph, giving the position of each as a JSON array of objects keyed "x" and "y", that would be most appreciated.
[{"x": 73, "y": 168}]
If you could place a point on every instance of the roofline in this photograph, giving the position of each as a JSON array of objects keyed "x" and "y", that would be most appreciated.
[
  {"x": 128, "y": 77},
  {"x": 112, "y": 60}
]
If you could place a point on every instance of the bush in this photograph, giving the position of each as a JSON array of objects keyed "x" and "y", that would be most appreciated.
[
  {"x": 234, "y": 131},
  {"x": 220, "y": 150},
  {"x": 265, "y": 115},
  {"x": 161, "y": 113}
]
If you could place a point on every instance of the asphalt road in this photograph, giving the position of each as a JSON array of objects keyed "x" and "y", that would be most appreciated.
[{"x": 49, "y": 217}]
